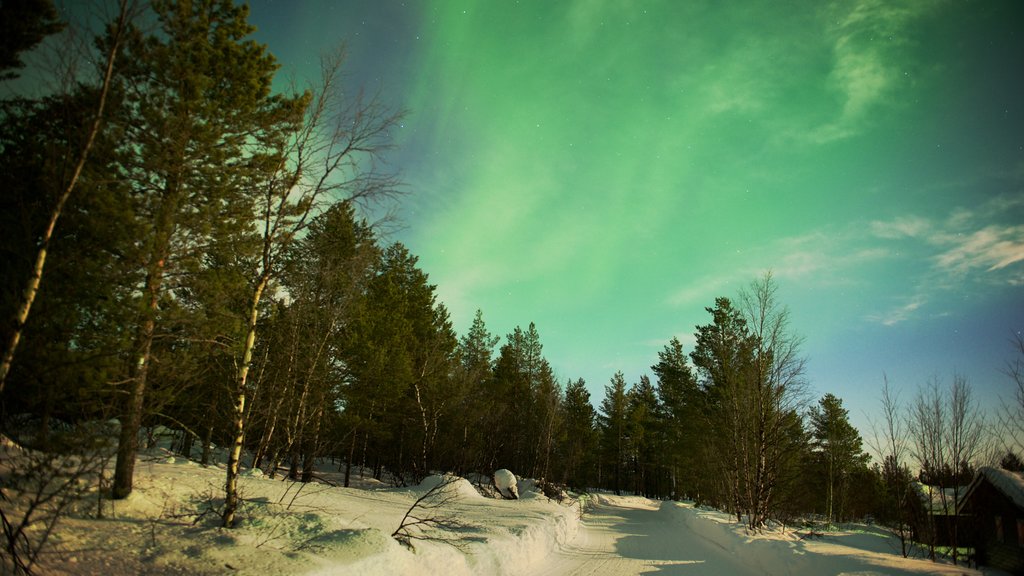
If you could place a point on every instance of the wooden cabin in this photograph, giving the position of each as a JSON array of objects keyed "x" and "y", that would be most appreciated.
[{"x": 993, "y": 507}]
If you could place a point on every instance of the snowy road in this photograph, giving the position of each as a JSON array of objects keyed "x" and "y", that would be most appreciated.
[{"x": 629, "y": 536}]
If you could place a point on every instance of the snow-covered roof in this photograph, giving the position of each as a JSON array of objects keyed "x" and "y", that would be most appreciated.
[
  {"x": 939, "y": 501},
  {"x": 1009, "y": 483}
]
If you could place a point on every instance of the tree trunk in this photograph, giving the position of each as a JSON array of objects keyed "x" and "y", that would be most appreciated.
[
  {"x": 231, "y": 484},
  {"x": 128, "y": 442},
  {"x": 186, "y": 444},
  {"x": 351, "y": 456}
]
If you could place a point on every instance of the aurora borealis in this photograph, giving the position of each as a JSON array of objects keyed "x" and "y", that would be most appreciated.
[{"x": 606, "y": 168}]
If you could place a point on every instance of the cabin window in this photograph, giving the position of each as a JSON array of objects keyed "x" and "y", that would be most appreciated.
[{"x": 999, "y": 529}]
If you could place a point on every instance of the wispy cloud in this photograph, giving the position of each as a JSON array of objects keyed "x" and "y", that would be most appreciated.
[
  {"x": 967, "y": 247},
  {"x": 901, "y": 227},
  {"x": 706, "y": 288},
  {"x": 864, "y": 70},
  {"x": 967, "y": 240},
  {"x": 901, "y": 313},
  {"x": 991, "y": 248},
  {"x": 930, "y": 257}
]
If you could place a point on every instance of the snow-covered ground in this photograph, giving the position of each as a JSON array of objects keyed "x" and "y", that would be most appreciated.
[
  {"x": 632, "y": 535},
  {"x": 291, "y": 528}
]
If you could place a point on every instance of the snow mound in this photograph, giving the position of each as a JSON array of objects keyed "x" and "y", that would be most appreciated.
[
  {"x": 506, "y": 483},
  {"x": 457, "y": 485}
]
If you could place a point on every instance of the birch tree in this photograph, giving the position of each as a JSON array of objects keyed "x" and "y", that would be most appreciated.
[
  {"x": 331, "y": 153},
  {"x": 29, "y": 36},
  {"x": 778, "y": 387}
]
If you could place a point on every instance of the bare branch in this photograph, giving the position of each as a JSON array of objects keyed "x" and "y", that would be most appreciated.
[{"x": 429, "y": 512}]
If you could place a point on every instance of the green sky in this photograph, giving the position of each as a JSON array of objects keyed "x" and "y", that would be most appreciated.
[{"x": 606, "y": 168}]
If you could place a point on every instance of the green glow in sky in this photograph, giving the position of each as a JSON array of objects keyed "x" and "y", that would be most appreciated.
[{"x": 607, "y": 168}]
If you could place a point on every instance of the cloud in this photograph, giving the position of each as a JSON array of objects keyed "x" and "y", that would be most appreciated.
[
  {"x": 966, "y": 249},
  {"x": 967, "y": 240},
  {"x": 824, "y": 256},
  {"x": 901, "y": 313},
  {"x": 932, "y": 258},
  {"x": 901, "y": 227},
  {"x": 991, "y": 248},
  {"x": 705, "y": 289}
]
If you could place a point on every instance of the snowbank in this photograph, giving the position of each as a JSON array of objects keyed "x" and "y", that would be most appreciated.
[{"x": 169, "y": 524}]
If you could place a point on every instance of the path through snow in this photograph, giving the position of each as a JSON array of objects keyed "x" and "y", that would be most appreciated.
[
  {"x": 627, "y": 535},
  {"x": 634, "y": 536}
]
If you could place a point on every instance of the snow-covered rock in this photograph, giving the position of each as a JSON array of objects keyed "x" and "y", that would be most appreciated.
[
  {"x": 457, "y": 486},
  {"x": 505, "y": 481}
]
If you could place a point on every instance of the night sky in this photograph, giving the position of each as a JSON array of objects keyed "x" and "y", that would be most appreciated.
[{"x": 605, "y": 169}]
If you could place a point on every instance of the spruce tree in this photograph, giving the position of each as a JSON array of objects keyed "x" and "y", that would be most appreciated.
[
  {"x": 645, "y": 437},
  {"x": 400, "y": 349}
]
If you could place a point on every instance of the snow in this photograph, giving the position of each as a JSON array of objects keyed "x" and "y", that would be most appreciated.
[
  {"x": 506, "y": 483},
  {"x": 318, "y": 528},
  {"x": 632, "y": 535}
]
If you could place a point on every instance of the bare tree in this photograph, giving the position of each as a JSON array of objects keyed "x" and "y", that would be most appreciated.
[
  {"x": 963, "y": 442},
  {"x": 38, "y": 488},
  {"x": 80, "y": 157},
  {"x": 777, "y": 389},
  {"x": 332, "y": 155},
  {"x": 1011, "y": 413},
  {"x": 888, "y": 442},
  {"x": 927, "y": 421},
  {"x": 946, "y": 430}
]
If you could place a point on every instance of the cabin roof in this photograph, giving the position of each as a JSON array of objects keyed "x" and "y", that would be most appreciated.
[{"x": 1010, "y": 484}]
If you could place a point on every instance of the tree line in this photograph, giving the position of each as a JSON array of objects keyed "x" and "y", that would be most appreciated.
[{"x": 213, "y": 271}]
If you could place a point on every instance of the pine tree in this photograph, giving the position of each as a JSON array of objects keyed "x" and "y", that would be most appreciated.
[
  {"x": 71, "y": 344},
  {"x": 840, "y": 446},
  {"x": 199, "y": 91},
  {"x": 23, "y": 25},
  {"x": 580, "y": 435},
  {"x": 613, "y": 418},
  {"x": 473, "y": 378},
  {"x": 645, "y": 437},
  {"x": 723, "y": 357},
  {"x": 680, "y": 413}
]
